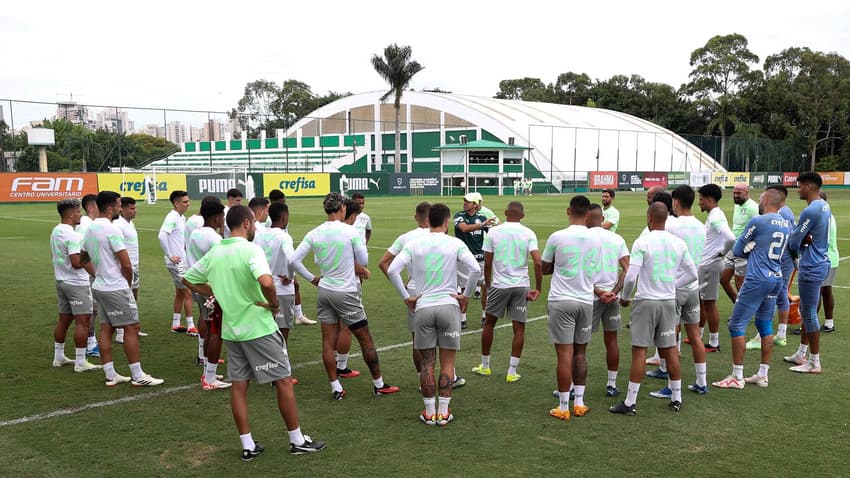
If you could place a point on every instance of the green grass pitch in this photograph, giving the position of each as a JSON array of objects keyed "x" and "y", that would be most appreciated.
[{"x": 798, "y": 425}]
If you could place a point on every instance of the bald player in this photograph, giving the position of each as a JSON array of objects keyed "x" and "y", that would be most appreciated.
[{"x": 745, "y": 209}]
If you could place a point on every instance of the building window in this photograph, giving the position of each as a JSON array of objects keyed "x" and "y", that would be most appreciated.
[{"x": 483, "y": 157}]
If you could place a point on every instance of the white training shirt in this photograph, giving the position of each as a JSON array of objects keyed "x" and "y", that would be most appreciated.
[
  {"x": 200, "y": 242},
  {"x": 172, "y": 236},
  {"x": 196, "y": 221},
  {"x": 131, "y": 238},
  {"x": 435, "y": 256},
  {"x": 670, "y": 222},
  {"x": 398, "y": 245},
  {"x": 613, "y": 249},
  {"x": 102, "y": 241},
  {"x": 277, "y": 246},
  {"x": 335, "y": 246},
  {"x": 64, "y": 242},
  {"x": 663, "y": 263},
  {"x": 717, "y": 237},
  {"x": 575, "y": 252},
  {"x": 363, "y": 223},
  {"x": 510, "y": 244},
  {"x": 692, "y": 231},
  {"x": 84, "y": 224}
]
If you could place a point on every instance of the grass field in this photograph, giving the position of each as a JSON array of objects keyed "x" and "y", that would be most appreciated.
[{"x": 799, "y": 425}]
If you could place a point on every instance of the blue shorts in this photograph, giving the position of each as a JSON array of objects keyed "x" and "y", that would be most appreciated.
[
  {"x": 783, "y": 303},
  {"x": 756, "y": 298}
]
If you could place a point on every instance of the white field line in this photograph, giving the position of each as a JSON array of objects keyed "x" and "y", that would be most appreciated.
[
  {"x": 9, "y": 238},
  {"x": 180, "y": 388}
]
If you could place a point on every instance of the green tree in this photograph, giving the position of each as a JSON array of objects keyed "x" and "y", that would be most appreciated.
[
  {"x": 258, "y": 104},
  {"x": 720, "y": 69},
  {"x": 573, "y": 88},
  {"x": 526, "y": 89},
  {"x": 397, "y": 69}
]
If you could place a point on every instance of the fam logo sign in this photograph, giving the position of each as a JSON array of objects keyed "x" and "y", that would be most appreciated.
[
  {"x": 134, "y": 184},
  {"x": 304, "y": 184},
  {"x": 25, "y": 187}
]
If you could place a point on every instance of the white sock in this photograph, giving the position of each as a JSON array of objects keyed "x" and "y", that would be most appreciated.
[
  {"x": 676, "y": 388},
  {"x": 763, "y": 368},
  {"x": 679, "y": 341},
  {"x": 201, "y": 348},
  {"x": 341, "y": 361},
  {"x": 701, "y": 373},
  {"x": 632, "y": 394},
  {"x": 563, "y": 401},
  {"x": 378, "y": 382},
  {"x": 656, "y": 356},
  {"x": 175, "y": 321},
  {"x": 444, "y": 406},
  {"x": 190, "y": 322},
  {"x": 513, "y": 366},
  {"x": 79, "y": 355},
  {"x": 247, "y": 441},
  {"x": 463, "y": 317},
  {"x": 829, "y": 323},
  {"x": 136, "y": 370},
  {"x": 802, "y": 349},
  {"x": 209, "y": 372},
  {"x": 814, "y": 359},
  {"x": 485, "y": 361},
  {"x": 298, "y": 312},
  {"x": 296, "y": 437},
  {"x": 483, "y": 315},
  {"x": 612, "y": 379},
  {"x": 662, "y": 365},
  {"x": 109, "y": 370},
  {"x": 454, "y": 375},
  {"x": 579, "y": 396},
  {"x": 91, "y": 342},
  {"x": 119, "y": 335},
  {"x": 58, "y": 351},
  {"x": 430, "y": 405},
  {"x": 714, "y": 339},
  {"x": 701, "y": 332},
  {"x": 336, "y": 386},
  {"x": 781, "y": 331},
  {"x": 738, "y": 371}
]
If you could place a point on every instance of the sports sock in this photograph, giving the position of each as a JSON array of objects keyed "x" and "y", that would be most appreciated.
[
  {"x": 79, "y": 355},
  {"x": 190, "y": 322},
  {"x": 298, "y": 312},
  {"x": 485, "y": 361},
  {"x": 378, "y": 382},
  {"x": 430, "y": 406},
  {"x": 579, "y": 396},
  {"x": 632, "y": 394},
  {"x": 814, "y": 359},
  {"x": 612, "y": 379},
  {"x": 341, "y": 361},
  {"x": 676, "y": 388},
  {"x": 444, "y": 406},
  {"x": 781, "y": 331},
  {"x": 454, "y": 375},
  {"x": 763, "y": 368},
  {"x": 136, "y": 370},
  {"x": 109, "y": 369},
  {"x": 701, "y": 373},
  {"x": 296, "y": 437},
  {"x": 201, "y": 348},
  {"x": 828, "y": 323},
  {"x": 247, "y": 441},
  {"x": 119, "y": 335},
  {"x": 679, "y": 341},
  {"x": 662, "y": 365},
  {"x": 802, "y": 349},
  {"x": 175, "y": 320},
  {"x": 463, "y": 317},
  {"x": 58, "y": 351},
  {"x": 483, "y": 315},
  {"x": 513, "y": 366},
  {"x": 563, "y": 401},
  {"x": 91, "y": 342},
  {"x": 714, "y": 339},
  {"x": 209, "y": 372},
  {"x": 738, "y": 371},
  {"x": 336, "y": 386},
  {"x": 701, "y": 332},
  {"x": 656, "y": 356}
]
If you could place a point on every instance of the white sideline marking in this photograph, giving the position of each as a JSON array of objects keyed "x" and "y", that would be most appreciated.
[
  {"x": 9, "y": 238},
  {"x": 31, "y": 219},
  {"x": 166, "y": 391}
]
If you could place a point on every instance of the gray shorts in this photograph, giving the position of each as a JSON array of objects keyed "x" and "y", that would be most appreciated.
[
  {"x": 135, "y": 283},
  {"x": 569, "y": 322},
  {"x": 463, "y": 274},
  {"x": 285, "y": 317},
  {"x": 709, "y": 280},
  {"x": 437, "y": 326},
  {"x": 512, "y": 302},
  {"x": 177, "y": 272},
  {"x": 830, "y": 278},
  {"x": 411, "y": 323},
  {"x": 653, "y": 322},
  {"x": 263, "y": 359},
  {"x": 333, "y": 307},
  {"x": 74, "y": 299},
  {"x": 687, "y": 304},
  {"x": 737, "y": 263},
  {"x": 116, "y": 307},
  {"x": 606, "y": 314},
  {"x": 200, "y": 299}
]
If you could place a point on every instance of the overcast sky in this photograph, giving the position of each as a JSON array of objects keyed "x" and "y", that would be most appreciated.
[{"x": 200, "y": 54}]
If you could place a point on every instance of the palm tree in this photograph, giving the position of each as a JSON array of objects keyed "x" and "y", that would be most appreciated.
[
  {"x": 397, "y": 69},
  {"x": 724, "y": 119}
]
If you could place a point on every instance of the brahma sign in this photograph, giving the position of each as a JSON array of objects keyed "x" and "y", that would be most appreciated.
[
  {"x": 603, "y": 180},
  {"x": 31, "y": 187}
]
